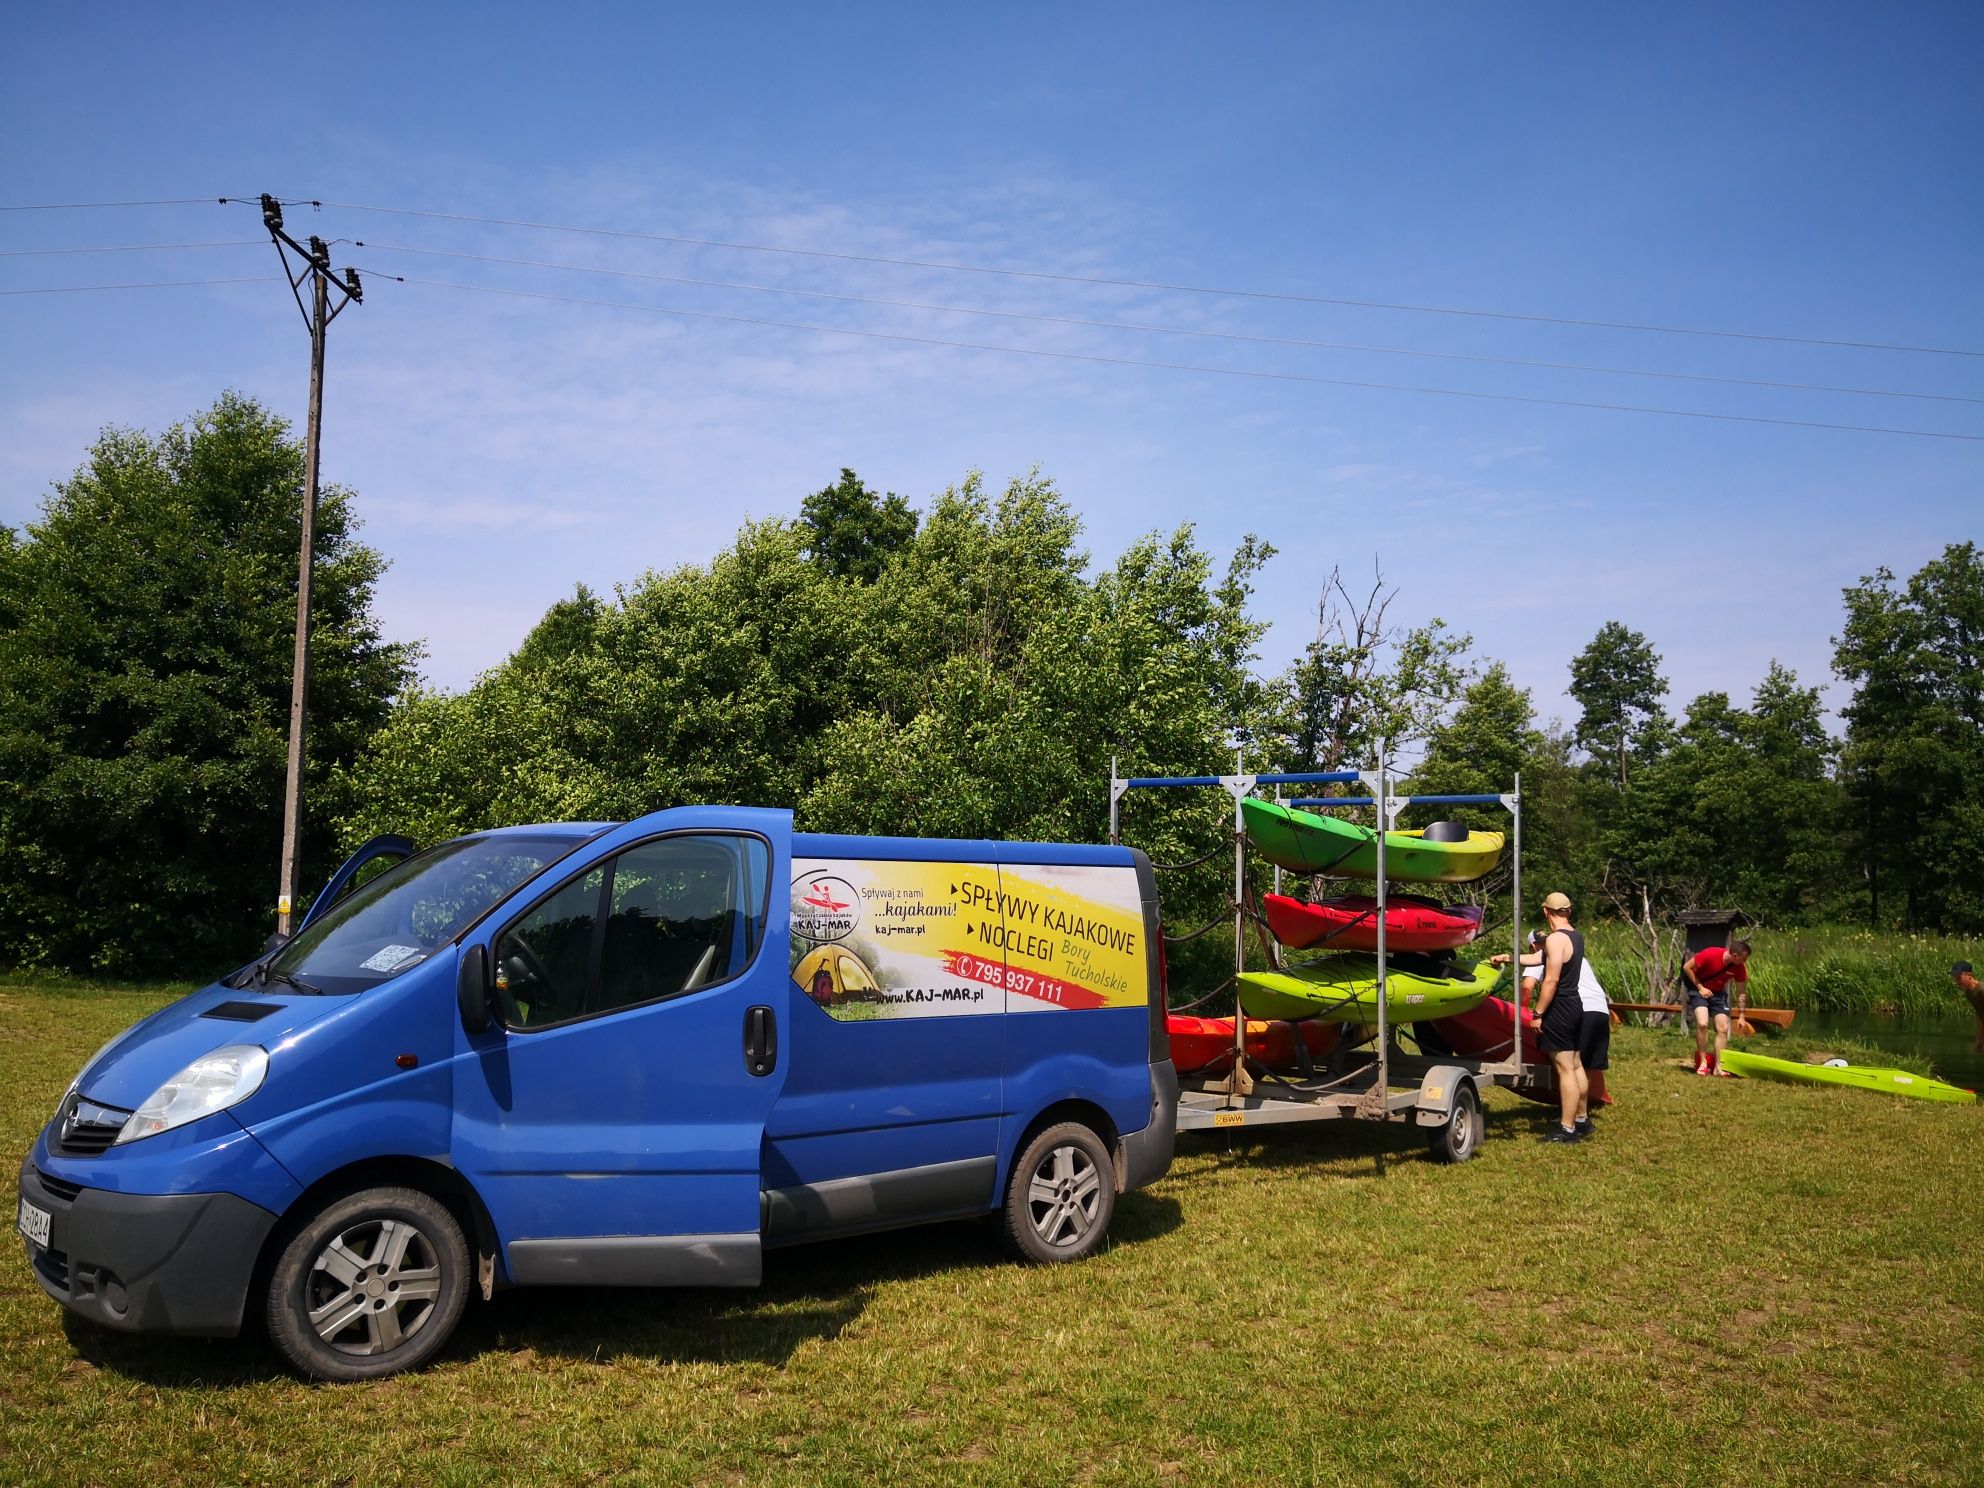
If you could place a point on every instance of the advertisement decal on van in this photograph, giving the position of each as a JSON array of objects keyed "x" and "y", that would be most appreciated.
[{"x": 895, "y": 939}]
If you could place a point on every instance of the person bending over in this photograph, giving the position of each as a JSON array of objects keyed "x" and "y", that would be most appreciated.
[
  {"x": 1706, "y": 976},
  {"x": 1967, "y": 983}
]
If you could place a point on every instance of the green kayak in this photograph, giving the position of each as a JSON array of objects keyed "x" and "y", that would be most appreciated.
[
  {"x": 1860, "y": 1077},
  {"x": 1344, "y": 989},
  {"x": 1303, "y": 842}
]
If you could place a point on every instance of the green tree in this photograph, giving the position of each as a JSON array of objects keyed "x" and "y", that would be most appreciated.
[
  {"x": 1617, "y": 683},
  {"x": 853, "y": 532},
  {"x": 144, "y": 694},
  {"x": 1742, "y": 809},
  {"x": 978, "y": 685},
  {"x": 1491, "y": 738},
  {"x": 1914, "y": 753}
]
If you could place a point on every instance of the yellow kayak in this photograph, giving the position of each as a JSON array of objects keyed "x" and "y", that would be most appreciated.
[
  {"x": 1858, "y": 1076},
  {"x": 1302, "y": 842},
  {"x": 1344, "y": 989}
]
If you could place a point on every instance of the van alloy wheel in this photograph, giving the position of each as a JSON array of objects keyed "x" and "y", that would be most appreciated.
[
  {"x": 1061, "y": 1195},
  {"x": 372, "y": 1285}
]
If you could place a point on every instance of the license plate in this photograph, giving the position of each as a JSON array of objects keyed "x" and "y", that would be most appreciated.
[{"x": 34, "y": 1223}]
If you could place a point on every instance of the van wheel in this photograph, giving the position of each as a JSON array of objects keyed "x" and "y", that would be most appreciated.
[
  {"x": 373, "y": 1285},
  {"x": 1456, "y": 1139},
  {"x": 1061, "y": 1195}
]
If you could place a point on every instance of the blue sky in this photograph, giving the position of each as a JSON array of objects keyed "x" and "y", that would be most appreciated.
[{"x": 1798, "y": 169}]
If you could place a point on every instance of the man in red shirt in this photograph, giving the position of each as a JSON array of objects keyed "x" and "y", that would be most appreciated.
[
  {"x": 1707, "y": 975},
  {"x": 1969, "y": 986}
]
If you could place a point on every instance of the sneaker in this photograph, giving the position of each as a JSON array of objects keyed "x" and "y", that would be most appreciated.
[
  {"x": 1583, "y": 1129},
  {"x": 1562, "y": 1134}
]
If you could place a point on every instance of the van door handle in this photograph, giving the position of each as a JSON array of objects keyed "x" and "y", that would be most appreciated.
[{"x": 760, "y": 1040}]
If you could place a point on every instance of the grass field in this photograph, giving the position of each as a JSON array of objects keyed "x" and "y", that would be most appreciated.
[{"x": 1733, "y": 1281}]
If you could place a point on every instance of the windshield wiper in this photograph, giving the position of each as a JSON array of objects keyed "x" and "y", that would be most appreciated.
[{"x": 270, "y": 975}]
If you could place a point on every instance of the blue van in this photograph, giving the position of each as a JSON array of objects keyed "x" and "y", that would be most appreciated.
[{"x": 611, "y": 1055}]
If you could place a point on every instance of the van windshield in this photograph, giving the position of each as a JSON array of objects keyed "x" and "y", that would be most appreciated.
[{"x": 394, "y": 922}]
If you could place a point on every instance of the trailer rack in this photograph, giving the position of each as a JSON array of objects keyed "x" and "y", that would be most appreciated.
[{"x": 1383, "y": 1082}]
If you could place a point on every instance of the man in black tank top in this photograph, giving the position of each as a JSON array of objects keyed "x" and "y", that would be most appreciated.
[{"x": 1561, "y": 1013}]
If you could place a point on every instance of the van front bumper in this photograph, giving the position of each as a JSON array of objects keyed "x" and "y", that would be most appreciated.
[{"x": 146, "y": 1263}]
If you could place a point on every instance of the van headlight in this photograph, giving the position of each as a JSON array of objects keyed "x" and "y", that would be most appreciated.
[{"x": 211, "y": 1083}]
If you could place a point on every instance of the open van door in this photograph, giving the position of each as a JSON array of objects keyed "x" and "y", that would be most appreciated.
[
  {"x": 384, "y": 847},
  {"x": 612, "y": 1112}
]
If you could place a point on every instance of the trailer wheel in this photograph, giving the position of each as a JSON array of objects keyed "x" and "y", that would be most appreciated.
[
  {"x": 1455, "y": 1140},
  {"x": 371, "y": 1286},
  {"x": 1061, "y": 1195}
]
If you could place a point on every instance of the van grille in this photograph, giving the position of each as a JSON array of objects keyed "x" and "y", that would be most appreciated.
[
  {"x": 83, "y": 1128},
  {"x": 60, "y": 1188}
]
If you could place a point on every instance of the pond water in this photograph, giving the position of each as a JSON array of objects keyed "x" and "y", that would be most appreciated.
[{"x": 1945, "y": 1042}]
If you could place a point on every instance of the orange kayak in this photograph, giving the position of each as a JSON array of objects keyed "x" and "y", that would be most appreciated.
[{"x": 1205, "y": 1045}]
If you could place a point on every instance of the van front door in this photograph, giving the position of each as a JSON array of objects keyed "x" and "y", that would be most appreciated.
[
  {"x": 382, "y": 851},
  {"x": 613, "y": 1116}
]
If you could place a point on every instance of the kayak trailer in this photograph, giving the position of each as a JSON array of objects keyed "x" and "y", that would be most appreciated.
[{"x": 1374, "y": 1080}]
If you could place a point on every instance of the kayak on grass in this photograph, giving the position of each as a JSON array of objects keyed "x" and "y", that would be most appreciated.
[
  {"x": 1205, "y": 1045},
  {"x": 1349, "y": 922},
  {"x": 1344, "y": 989},
  {"x": 1857, "y": 1076},
  {"x": 1303, "y": 842}
]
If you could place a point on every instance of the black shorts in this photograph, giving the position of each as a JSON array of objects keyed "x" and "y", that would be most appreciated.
[
  {"x": 1717, "y": 1003},
  {"x": 1560, "y": 1031},
  {"x": 1595, "y": 1040}
]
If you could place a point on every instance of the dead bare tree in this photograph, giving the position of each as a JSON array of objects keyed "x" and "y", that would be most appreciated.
[
  {"x": 1658, "y": 942},
  {"x": 1349, "y": 632}
]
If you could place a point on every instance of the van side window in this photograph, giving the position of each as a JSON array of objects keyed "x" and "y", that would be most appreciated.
[
  {"x": 659, "y": 920},
  {"x": 544, "y": 960},
  {"x": 681, "y": 918}
]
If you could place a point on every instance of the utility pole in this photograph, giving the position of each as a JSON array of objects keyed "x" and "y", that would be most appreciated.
[{"x": 315, "y": 264}]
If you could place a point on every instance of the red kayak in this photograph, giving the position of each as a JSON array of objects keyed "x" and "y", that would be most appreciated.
[
  {"x": 1483, "y": 1033},
  {"x": 1205, "y": 1045},
  {"x": 1349, "y": 922}
]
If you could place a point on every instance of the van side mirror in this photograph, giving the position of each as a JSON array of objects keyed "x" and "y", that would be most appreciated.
[{"x": 472, "y": 989}]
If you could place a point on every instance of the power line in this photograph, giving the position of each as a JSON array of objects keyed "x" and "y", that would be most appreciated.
[
  {"x": 178, "y": 201},
  {"x": 128, "y": 248},
  {"x": 1076, "y": 356},
  {"x": 182, "y": 201},
  {"x": 1168, "y": 330},
  {"x": 152, "y": 284},
  {"x": 1197, "y": 289}
]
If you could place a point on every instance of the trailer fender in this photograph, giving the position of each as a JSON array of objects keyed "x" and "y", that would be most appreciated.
[{"x": 1438, "y": 1091}]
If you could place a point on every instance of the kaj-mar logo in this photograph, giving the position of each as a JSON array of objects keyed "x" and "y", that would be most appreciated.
[{"x": 824, "y": 907}]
